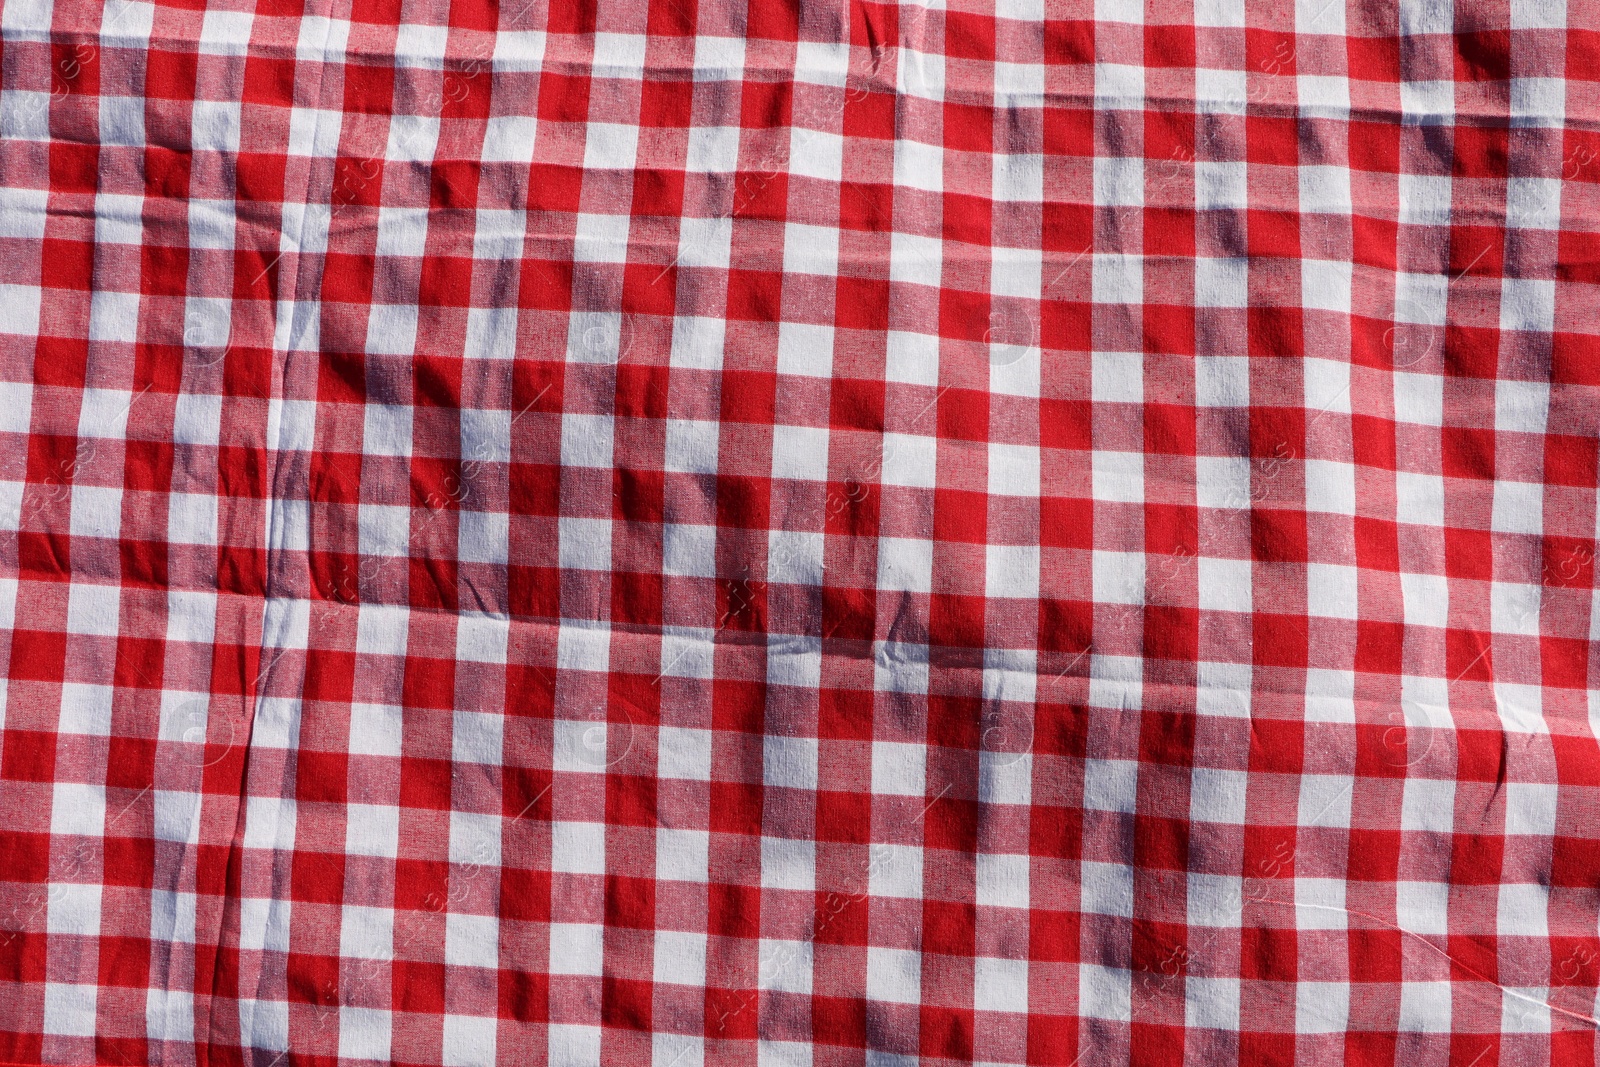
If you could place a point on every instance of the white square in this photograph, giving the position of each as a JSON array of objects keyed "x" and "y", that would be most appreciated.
[
  {"x": 688, "y": 651},
  {"x": 585, "y": 544},
  {"x": 899, "y": 667},
  {"x": 915, "y": 260},
  {"x": 785, "y": 967},
  {"x": 269, "y": 823},
  {"x": 1518, "y": 508},
  {"x": 1215, "y": 900},
  {"x": 372, "y": 830},
  {"x": 173, "y": 915},
  {"x": 905, "y": 565},
  {"x": 1224, "y": 584},
  {"x": 366, "y": 933},
  {"x": 684, "y": 752},
  {"x": 1221, "y": 187},
  {"x": 1018, "y": 85},
  {"x": 1118, "y": 476},
  {"x": 814, "y": 154},
  {"x": 314, "y": 132},
  {"x": 697, "y": 342},
  {"x": 689, "y": 550},
  {"x": 1011, "y": 571},
  {"x": 600, "y": 238},
  {"x": 73, "y": 909},
  {"x": 1118, "y": 278},
  {"x": 1118, "y": 86},
  {"x": 898, "y": 769},
  {"x": 477, "y": 737},
  {"x": 1514, "y": 608},
  {"x": 418, "y": 45},
  {"x": 1427, "y": 805},
  {"x": 574, "y": 1046},
  {"x": 69, "y": 1010},
  {"x": 1325, "y": 284},
  {"x": 191, "y": 616},
  {"x": 1521, "y": 407},
  {"x": 1320, "y": 903},
  {"x": 910, "y": 460},
  {"x": 1425, "y": 199},
  {"x": 1323, "y": 96},
  {"x": 1527, "y": 304},
  {"x": 1013, "y": 469},
  {"x": 402, "y": 231},
  {"x": 1322, "y": 1007},
  {"x": 679, "y": 957},
  {"x": 794, "y": 660},
  {"x": 1211, "y": 1003},
  {"x": 85, "y": 709},
  {"x": 578, "y": 847},
  {"x": 805, "y": 349},
  {"x": 364, "y": 1033},
  {"x": 1419, "y": 398},
  {"x": 1223, "y": 482},
  {"x": 113, "y": 316},
  {"x": 821, "y": 62},
  {"x": 1331, "y": 591},
  {"x": 25, "y": 115},
  {"x": 482, "y": 536},
  {"x": 1538, "y": 102},
  {"x": 391, "y": 330},
  {"x": 1533, "y": 203},
  {"x": 1002, "y": 880},
  {"x": 1424, "y": 1008},
  {"x": 1221, "y": 382},
  {"x": 1223, "y": 689},
  {"x": 1330, "y": 486},
  {"x": 468, "y": 1041},
  {"x": 1324, "y": 190},
  {"x": 788, "y": 863},
  {"x": 1330, "y": 696},
  {"x": 1026, "y": 10},
  {"x": 1119, "y": 181},
  {"x": 691, "y": 446},
  {"x": 121, "y": 121},
  {"x": 93, "y": 609},
  {"x": 895, "y": 871},
  {"x": 577, "y": 948},
  {"x": 919, "y": 166},
  {"x": 118, "y": 219},
  {"x": 683, "y": 855},
  {"x": 519, "y": 50},
  {"x": 1426, "y": 599},
  {"x": 1117, "y": 377},
  {"x": 808, "y": 250},
  {"x": 1419, "y": 498},
  {"x": 712, "y": 150},
  {"x": 789, "y": 762},
  {"x": 1105, "y": 992},
  {"x": 1223, "y": 14},
  {"x": 610, "y": 146},
  {"x": 912, "y": 358},
  {"x": 619, "y": 55},
  {"x": 586, "y": 440},
  {"x": 375, "y": 730},
  {"x": 509, "y": 139},
  {"x": 718, "y": 58},
  {"x": 1219, "y": 92},
  {"x": 1106, "y": 889},
  {"x": 1000, "y": 985},
  {"x": 1221, "y": 283},
  {"x": 1427, "y": 103},
  {"x": 1018, "y": 179},
  {"x": 1110, "y": 785},
  {"x": 1217, "y": 795},
  {"x": 800, "y": 452},
  {"x": 214, "y": 126},
  {"x": 22, "y": 309},
  {"x": 78, "y": 809},
  {"x": 1014, "y": 272},
  {"x": 412, "y": 139},
  {"x": 894, "y": 975},
  {"x": 795, "y": 557},
  {"x": 1531, "y": 808},
  {"x": 1118, "y": 577}
]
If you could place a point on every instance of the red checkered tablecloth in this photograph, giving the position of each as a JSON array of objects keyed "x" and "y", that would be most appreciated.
[{"x": 799, "y": 534}]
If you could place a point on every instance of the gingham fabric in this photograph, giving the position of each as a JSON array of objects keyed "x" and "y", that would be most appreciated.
[{"x": 689, "y": 532}]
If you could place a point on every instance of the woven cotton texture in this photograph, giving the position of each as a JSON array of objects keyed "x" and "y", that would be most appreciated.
[{"x": 789, "y": 534}]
